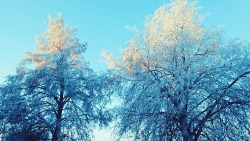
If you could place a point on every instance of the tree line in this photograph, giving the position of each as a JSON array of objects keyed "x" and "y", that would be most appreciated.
[{"x": 177, "y": 80}]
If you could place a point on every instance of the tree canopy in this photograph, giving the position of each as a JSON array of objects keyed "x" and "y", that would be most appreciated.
[
  {"x": 177, "y": 80},
  {"x": 65, "y": 97},
  {"x": 181, "y": 81}
]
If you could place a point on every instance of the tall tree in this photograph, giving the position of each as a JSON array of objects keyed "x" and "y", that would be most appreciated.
[
  {"x": 62, "y": 92},
  {"x": 180, "y": 81}
]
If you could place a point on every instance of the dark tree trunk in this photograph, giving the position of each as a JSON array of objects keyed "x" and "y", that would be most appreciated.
[
  {"x": 60, "y": 104},
  {"x": 185, "y": 129}
]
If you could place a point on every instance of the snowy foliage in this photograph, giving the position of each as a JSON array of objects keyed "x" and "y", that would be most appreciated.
[
  {"x": 180, "y": 81},
  {"x": 63, "y": 95},
  {"x": 18, "y": 120},
  {"x": 177, "y": 81},
  {"x": 57, "y": 41}
]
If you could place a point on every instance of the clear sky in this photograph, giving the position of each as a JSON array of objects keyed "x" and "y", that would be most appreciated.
[{"x": 101, "y": 23}]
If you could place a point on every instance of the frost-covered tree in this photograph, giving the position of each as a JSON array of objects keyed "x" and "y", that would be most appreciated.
[
  {"x": 16, "y": 121},
  {"x": 61, "y": 92},
  {"x": 180, "y": 81}
]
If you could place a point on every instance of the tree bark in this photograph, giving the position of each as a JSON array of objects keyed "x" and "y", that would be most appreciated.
[{"x": 60, "y": 103}]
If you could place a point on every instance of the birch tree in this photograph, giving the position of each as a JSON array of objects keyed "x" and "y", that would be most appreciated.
[
  {"x": 180, "y": 81},
  {"x": 61, "y": 91}
]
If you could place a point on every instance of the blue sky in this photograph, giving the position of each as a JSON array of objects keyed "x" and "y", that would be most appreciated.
[{"x": 101, "y": 23}]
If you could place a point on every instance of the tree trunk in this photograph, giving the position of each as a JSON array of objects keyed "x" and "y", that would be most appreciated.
[
  {"x": 185, "y": 129},
  {"x": 57, "y": 131},
  {"x": 60, "y": 103},
  {"x": 187, "y": 138}
]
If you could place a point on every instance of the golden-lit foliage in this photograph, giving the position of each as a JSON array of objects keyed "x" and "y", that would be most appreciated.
[
  {"x": 170, "y": 25},
  {"x": 57, "y": 40},
  {"x": 171, "y": 20}
]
